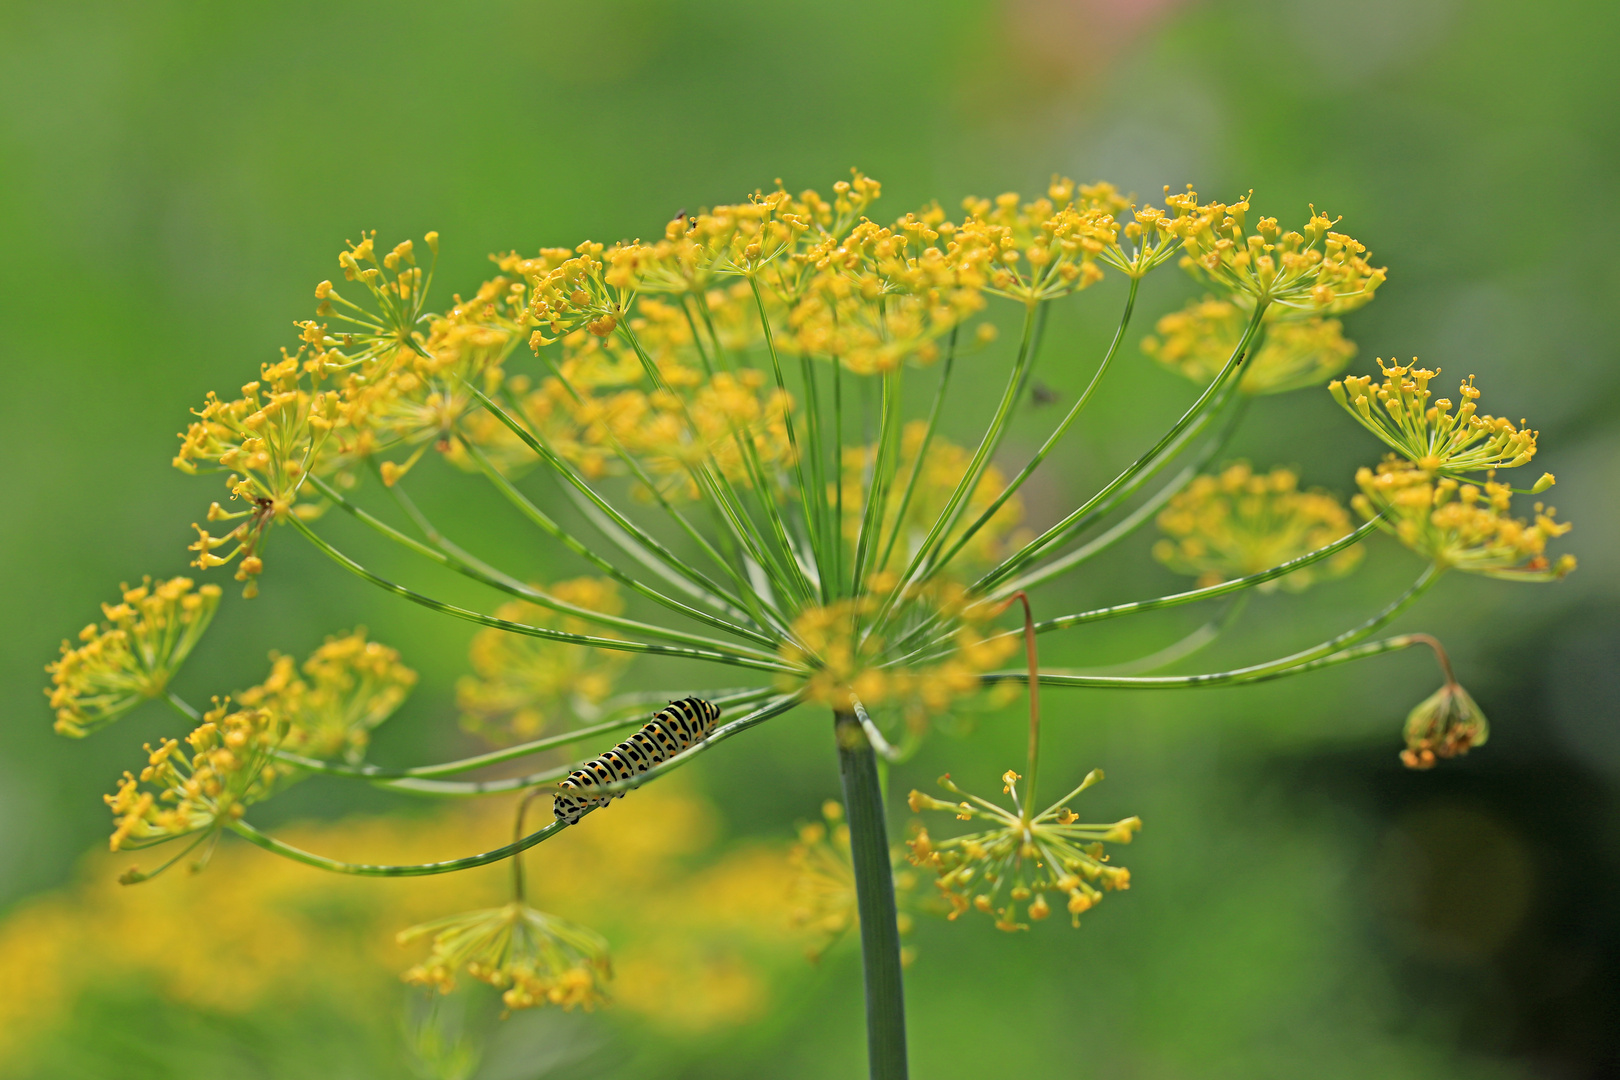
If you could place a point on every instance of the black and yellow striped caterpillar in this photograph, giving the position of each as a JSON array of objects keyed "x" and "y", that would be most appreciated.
[{"x": 669, "y": 732}]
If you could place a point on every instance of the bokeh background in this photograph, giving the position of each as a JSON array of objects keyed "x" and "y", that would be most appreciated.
[{"x": 174, "y": 178}]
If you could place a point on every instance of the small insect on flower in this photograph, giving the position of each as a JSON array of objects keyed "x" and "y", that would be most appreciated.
[
  {"x": 1241, "y": 522},
  {"x": 1007, "y": 869},
  {"x": 684, "y": 724},
  {"x": 131, "y": 657},
  {"x": 534, "y": 958},
  {"x": 1465, "y": 526},
  {"x": 1430, "y": 435}
]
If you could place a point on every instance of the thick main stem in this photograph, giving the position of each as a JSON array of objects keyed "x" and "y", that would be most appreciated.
[{"x": 874, "y": 900}]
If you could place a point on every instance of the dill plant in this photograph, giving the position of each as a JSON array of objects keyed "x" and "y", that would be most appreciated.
[{"x": 693, "y": 403}]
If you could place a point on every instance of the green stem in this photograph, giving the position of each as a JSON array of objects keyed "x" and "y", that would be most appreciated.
[
  {"x": 922, "y": 453},
  {"x": 450, "y": 557},
  {"x": 874, "y": 900},
  {"x": 613, "y": 644},
  {"x": 1057, "y": 533},
  {"x": 1057, "y": 434},
  {"x": 1209, "y": 592},
  {"x": 1334, "y": 650},
  {"x": 450, "y": 866}
]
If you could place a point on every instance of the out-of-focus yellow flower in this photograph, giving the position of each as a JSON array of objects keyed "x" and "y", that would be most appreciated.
[
  {"x": 130, "y": 657},
  {"x": 1430, "y": 435},
  {"x": 1445, "y": 724},
  {"x": 1461, "y": 525},
  {"x": 1314, "y": 269},
  {"x": 1241, "y": 522},
  {"x": 1007, "y": 869},
  {"x": 1198, "y": 340},
  {"x": 519, "y": 684},
  {"x": 229, "y": 769},
  {"x": 350, "y": 686},
  {"x": 823, "y": 889},
  {"x": 940, "y": 471},
  {"x": 702, "y": 942},
  {"x": 531, "y": 957}
]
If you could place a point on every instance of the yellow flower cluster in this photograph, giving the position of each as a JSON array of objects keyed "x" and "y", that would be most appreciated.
[
  {"x": 1045, "y": 248},
  {"x": 1455, "y": 524},
  {"x": 532, "y": 957},
  {"x": 269, "y": 440},
  {"x": 940, "y": 470},
  {"x": 350, "y": 685},
  {"x": 822, "y": 895},
  {"x": 1446, "y": 724},
  {"x": 374, "y": 382},
  {"x": 1240, "y": 522},
  {"x": 833, "y": 283},
  {"x": 130, "y": 657},
  {"x": 1296, "y": 350},
  {"x": 229, "y": 769},
  {"x": 1007, "y": 869},
  {"x": 1430, "y": 435},
  {"x": 520, "y": 684},
  {"x": 846, "y": 657},
  {"x": 1315, "y": 269}
]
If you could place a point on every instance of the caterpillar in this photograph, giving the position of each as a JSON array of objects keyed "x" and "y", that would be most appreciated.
[{"x": 668, "y": 733}]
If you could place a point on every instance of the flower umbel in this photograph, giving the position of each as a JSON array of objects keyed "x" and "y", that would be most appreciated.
[
  {"x": 1315, "y": 269},
  {"x": 230, "y": 768},
  {"x": 533, "y": 958},
  {"x": 1432, "y": 436},
  {"x": 1456, "y": 524},
  {"x": 350, "y": 685},
  {"x": 1007, "y": 869},
  {"x": 130, "y": 657},
  {"x": 1240, "y": 522}
]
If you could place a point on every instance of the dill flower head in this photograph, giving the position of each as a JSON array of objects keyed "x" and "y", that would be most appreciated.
[
  {"x": 1044, "y": 248},
  {"x": 410, "y": 397},
  {"x": 228, "y": 769},
  {"x": 1240, "y": 522},
  {"x": 349, "y": 686},
  {"x": 520, "y": 684},
  {"x": 823, "y": 889},
  {"x": 1445, "y": 724},
  {"x": 1430, "y": 433},
  {"x": 1456, "y": 524},
  {"x": 130, "y": 657},
  {"x": 1007, "y": 869},
  {"x": 1299, "y": 351},
  {"x": 268, "y": 440},
  {"x": 533, "y": 958},
  {"x": 1314, "y": 269}
]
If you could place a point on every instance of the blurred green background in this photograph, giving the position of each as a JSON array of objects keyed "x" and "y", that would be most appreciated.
[{"x": 175, "y": 177}]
